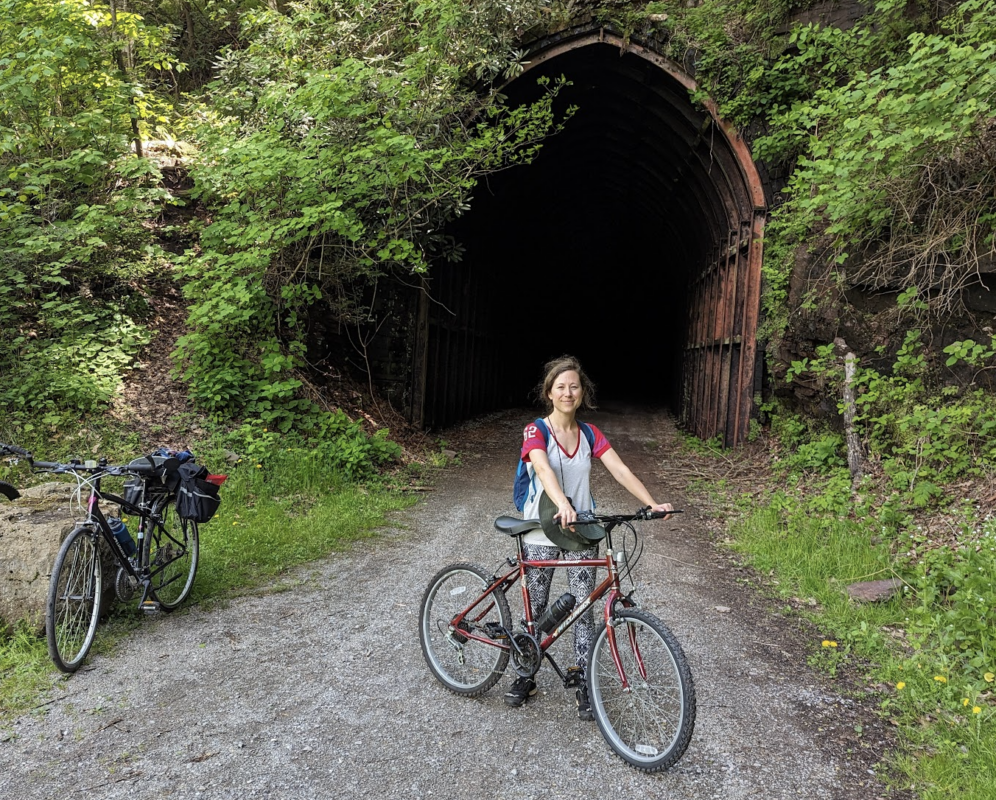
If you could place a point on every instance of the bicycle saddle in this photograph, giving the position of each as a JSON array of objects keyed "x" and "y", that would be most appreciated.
[{"x": 513, "y": 526}]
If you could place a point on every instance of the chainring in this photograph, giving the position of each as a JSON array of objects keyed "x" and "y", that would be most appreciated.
[
  {"x": 125, "y": 586},
  {"x": 526, "y": 655}
]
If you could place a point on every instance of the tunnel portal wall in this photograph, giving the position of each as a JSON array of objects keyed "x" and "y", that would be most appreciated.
[{"x": 665, "y": 169}]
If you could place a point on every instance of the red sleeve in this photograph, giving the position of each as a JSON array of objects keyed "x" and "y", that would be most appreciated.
[
  {"x": 601, "y": 443},
  {"x": 532, "y": 439}
]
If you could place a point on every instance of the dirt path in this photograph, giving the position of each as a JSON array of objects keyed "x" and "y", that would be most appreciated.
[{"x": 320, "y": 689}]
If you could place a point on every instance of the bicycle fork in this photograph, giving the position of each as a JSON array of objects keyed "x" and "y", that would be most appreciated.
[{"x": 610, "y": 632}]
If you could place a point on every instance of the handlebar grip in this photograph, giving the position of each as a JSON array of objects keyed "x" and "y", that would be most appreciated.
[
  {"x": 14, "y": 450},
  {"x": 139, "y": 468},
  {"x": 662, "y": 514},
  {"x": 50, "y": 465}
]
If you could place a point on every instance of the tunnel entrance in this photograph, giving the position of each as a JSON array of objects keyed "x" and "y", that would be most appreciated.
[{"x": 632, "y": 242}]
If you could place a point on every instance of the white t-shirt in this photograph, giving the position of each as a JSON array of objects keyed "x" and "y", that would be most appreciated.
[{"x": 573, "y": 471}]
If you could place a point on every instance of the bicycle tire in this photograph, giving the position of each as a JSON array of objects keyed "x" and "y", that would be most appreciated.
[
  {"x": 72, "y": 607},
  {"x": 171, "y": 550},
  {"x": 467, "y": 668},
  {"x": 650, "y": 725}
]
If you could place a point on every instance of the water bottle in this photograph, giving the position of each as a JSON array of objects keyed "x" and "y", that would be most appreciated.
[
  {"x": 556, "y": 613},
  {"x": 121, "y": 534}
]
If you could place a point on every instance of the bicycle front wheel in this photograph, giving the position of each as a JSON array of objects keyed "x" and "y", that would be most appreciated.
[
  {"x": 171, "y": 550},
  {"x": 463, "y": 665},
  {"x": 649, "y": 723},
  {"x": 73, "y": 605}
]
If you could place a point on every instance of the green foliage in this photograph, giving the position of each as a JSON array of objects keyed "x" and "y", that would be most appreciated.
[
  {"x": 892, "y": 154},
  {"x": 954, "y": 607},
  {"x": 73, "y": 199},
  {"x": 928, "y": 650},
  {"x": 335, "y": 148},
  {"x": 339, "y": 451},
  {"x": 24, "y": 672},
  {"x": 923, "y": 433}
]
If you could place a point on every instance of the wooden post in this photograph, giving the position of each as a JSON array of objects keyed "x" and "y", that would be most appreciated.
[{"x": 854, "y": 454}]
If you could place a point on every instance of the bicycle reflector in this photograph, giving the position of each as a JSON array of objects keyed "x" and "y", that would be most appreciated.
[{"x": 217, "y": 480}]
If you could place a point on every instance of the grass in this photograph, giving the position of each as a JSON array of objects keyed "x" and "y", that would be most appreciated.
[
  {"x": 940, "y": 707},
  {"x": 273, "y": 517}
]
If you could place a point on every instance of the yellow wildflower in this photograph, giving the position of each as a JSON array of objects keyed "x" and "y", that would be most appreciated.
[
  {"x": 829, "y": 643},
  {"x": 976, "y": 710},
  {"x": 901, "y": 685},
  {"x": 940, "y": 679},
  {"x": 964, "y": 702}
]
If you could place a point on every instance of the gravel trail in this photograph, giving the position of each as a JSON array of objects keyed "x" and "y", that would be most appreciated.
[{"x": 317, "y": 687}]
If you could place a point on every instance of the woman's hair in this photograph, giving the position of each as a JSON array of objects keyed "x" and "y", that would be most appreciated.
[{"x": 553, "y": 370}]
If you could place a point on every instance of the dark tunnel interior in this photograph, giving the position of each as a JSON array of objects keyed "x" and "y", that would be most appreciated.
[{"x": 592, "y": 248}]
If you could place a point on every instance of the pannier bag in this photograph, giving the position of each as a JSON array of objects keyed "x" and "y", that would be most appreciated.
[{"x": 197, "y": 493}]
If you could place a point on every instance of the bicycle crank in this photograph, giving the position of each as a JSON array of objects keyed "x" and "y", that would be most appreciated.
[
  {"x": 125, "y": 585},
  {"x": 526, "y": 654}
]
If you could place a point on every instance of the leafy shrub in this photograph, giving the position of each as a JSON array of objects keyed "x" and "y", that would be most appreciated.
[
  {"x": 338, "y": 449},
  {"x": 336, "y": 144},
  {"x": 73, "y": 199},
  {"x": 954, "y": 604}
]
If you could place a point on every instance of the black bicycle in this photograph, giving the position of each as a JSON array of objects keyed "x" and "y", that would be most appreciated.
[{"x": 158, "y": 568}]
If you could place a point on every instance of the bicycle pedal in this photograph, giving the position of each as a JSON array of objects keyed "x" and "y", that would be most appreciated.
[
  {"x": 150, "y": 606},
  {"x": 574, "y": 678},
  {"x": 495, "y": 631}
]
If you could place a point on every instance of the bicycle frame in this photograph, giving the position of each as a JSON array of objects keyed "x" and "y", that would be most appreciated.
[
  {"x": 608, "y": 588},
  {"x": 638, "y": 686},
  {"x": 95, "y": 517}
]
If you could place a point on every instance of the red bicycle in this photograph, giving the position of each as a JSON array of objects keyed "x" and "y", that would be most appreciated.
[{"x": 639, "y": 683}]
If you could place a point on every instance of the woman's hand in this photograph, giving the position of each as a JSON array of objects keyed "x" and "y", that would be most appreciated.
[
  {"x": 566, "y": 516},
  {"x": 663, "y": 507}
]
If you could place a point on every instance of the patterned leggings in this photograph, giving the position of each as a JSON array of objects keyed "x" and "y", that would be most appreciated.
[{"x": 581, "y": 581}]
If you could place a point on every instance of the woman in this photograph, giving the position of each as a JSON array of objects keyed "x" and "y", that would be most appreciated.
[{"x": 562, "y": 463}]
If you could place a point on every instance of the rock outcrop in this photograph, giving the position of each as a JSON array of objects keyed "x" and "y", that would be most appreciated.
[{"x": 32, "y": 528}]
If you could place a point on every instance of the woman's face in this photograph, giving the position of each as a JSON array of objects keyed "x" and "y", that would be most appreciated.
[{"x": 566, "y": 392}]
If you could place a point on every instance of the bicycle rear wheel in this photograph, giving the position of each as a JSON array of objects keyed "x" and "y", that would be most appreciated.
[
  {"x": 171, "y": 550},
  {"x": 73, "y": 605},
  {"x": 649, "y": 725},
  {"x": 464, "y": 666}
]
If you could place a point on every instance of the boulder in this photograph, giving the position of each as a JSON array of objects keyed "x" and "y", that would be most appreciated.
[
  {"x": 32, "y": 528},
  {"x": 874, "y": 591}
]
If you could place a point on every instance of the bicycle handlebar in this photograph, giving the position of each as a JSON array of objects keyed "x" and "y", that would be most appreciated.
[
  {"x": 97, "y": 469},
  {"x": 9, "y": 449},
  {"x": 643, "y": 514}
]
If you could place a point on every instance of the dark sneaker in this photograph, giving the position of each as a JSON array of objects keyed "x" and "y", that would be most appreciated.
[
  {"x": 584, "y": 705},
  {"x": 520, "y": 691}
]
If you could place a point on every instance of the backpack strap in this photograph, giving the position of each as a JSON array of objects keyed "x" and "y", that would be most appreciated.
[
  {"x": 584, "y": 427},
  {"x": 589, "y": 434},
  {"x": 543, "y": 430}
]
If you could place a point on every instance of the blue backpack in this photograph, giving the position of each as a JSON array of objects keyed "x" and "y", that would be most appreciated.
[{"x": 524, "y": 486}]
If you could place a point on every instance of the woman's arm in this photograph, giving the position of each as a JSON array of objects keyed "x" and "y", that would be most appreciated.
[
  {"x": 625, "y": 477},
  {"x": 541, "y": 465}
]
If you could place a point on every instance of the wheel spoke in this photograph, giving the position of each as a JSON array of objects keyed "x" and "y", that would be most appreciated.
[
  {"x": 73, "y": 605},
  {"x": 464, "y": 665},
  {"x": 650, "y": 723},
  {"x": 172, "y": 551}
]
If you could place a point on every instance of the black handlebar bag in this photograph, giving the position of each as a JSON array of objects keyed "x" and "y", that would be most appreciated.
[{"x": 196, "y": 498}]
